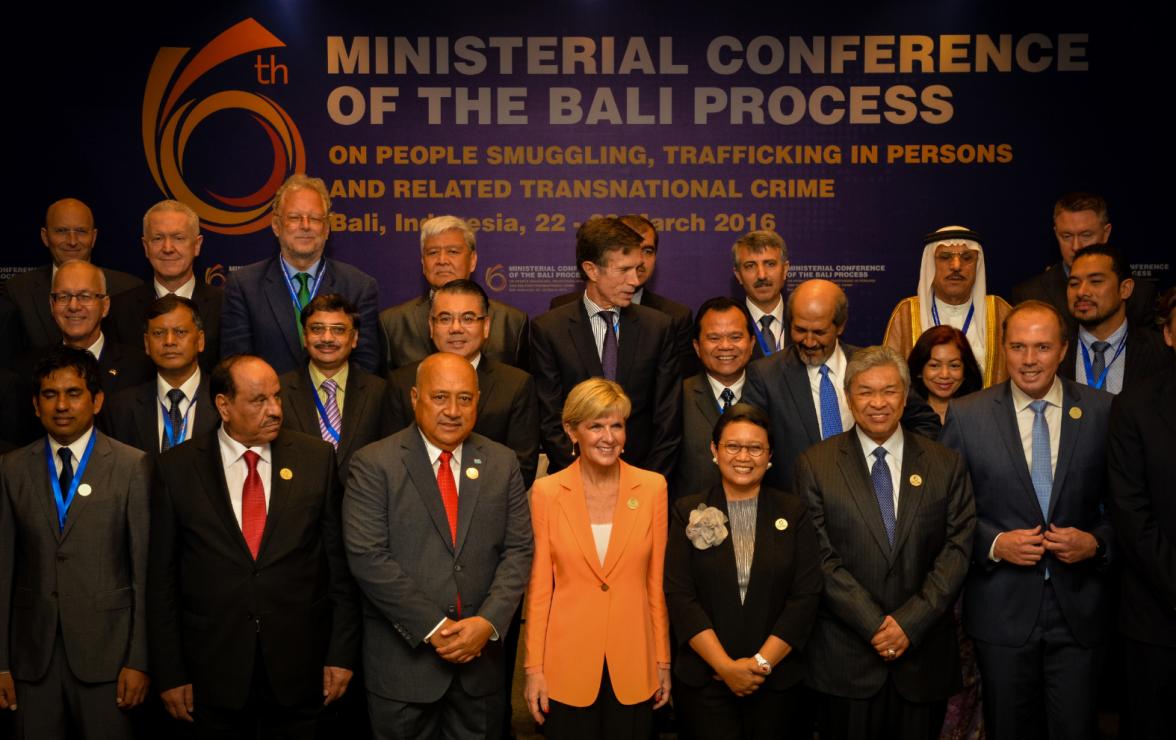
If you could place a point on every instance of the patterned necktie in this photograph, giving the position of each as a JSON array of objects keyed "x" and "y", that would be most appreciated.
[
  {"x": 608, "y": 352},
  {"x": 303, "y": 279},
  {"x": 830, "y": 411},
  {"x": 448, "y": 488},
  {"x": 769, "y": 335},
  {"x": 1100, "y": 361},
  {"x": 727, "y": 397},
  {"x": 175, "y": 395},
  {"x": 884, "y": 491},
  {"x": 331, "y": 387},
  {"x": 1040, "y": 469},
  {"x": 252, "y": 504}
]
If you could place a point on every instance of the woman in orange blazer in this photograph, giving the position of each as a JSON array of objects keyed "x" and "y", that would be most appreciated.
[{"x": 597, "y": 637}]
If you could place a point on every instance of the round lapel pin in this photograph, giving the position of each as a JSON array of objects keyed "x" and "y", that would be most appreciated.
[
  {"x": 286, "y": 473},
  {"x": 781, "y": 524},
  {"x": 472, "y": 473},
  {"x": 633, "y": 503},
  {"x": 1075, "y": 412},
  {"x": 916, "y": 480},
  {"x": 85, "y": 490}
]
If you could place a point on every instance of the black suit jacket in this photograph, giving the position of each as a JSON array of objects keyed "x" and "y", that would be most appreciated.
[
  {"x": 1143, "y": 506},
  {"x": 782, "y": 594},
  {"x": 681, "y": 317},
  {"x": 29, "y": 293},
  {"x": 1050, "y": 286},
  {"x": 695, "y": 470},
  {"x": 780, "y": 386},
  {"x": 211, "y": 606},
  {"x": 563, "y": 353},
  {"x": 1144, "y": 356},
  {"x": 124, "y": 324},
  {"x": 916, "y": 580},
  {"x": 508, "y": 412},
  {"x": 404, "y": 334},
  {"x": 362, "y": 422},
  {"x": 131, "y": 416},
  {"x": 259, "y": 315},
  {"x": 1003, "y": 600}
]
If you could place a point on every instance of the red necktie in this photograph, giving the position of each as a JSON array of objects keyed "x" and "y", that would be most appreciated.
[
  {"x": 449, "y": 500},
  {"x": 252, "y": 505}
]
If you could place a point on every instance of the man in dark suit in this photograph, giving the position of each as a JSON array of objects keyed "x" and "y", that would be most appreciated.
[
  {"x": 79, "y": 303},
  {"x": 802, "y": 388},
  {"x": 723, "y": 337},
  {"x": 329, "y": 396},
  {"x": 508, "y": 412},
  {"x": 894, "y": 516},
  {"x": 760, "y": 260},
  {"x": 439, "y": 539},
  {"x": 264, "y": 301},
  {"x": 1079, "y": 220},
  {"x": 679, "y": 315},
  {"x": 68, "y": 234},
  {"x": 449, "y": 251},
  {"x": 1143, "y": 509},
  {"x": 252, "y": 615},
  {"x": 171, "y": 240},
  {"x": 605, "y": 335},
  {"x": 73, "y": 643},
  {"x": 1038, "y": 598},
  {"x": 1111, "y": 353},
  {"x": 175, "y": 405}
]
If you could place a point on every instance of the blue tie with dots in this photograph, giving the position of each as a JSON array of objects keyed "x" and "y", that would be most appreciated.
[
  {"x": 830, "y": 411},
  {"x": 884, "y": 491}
]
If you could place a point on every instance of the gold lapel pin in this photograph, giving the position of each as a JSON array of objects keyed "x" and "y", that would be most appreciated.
[
  {"x": 113, "y": 371},
  {"x": 781, "y": 524},
  {"x": 286, "y": 473},
  {"x": 1075, "y": 413},
  {"x": 916, "y": 480},
  {"x": 633, "y": 503},
  {"x": 85, "y": 490},
  {"x": 472, "y": 473}
]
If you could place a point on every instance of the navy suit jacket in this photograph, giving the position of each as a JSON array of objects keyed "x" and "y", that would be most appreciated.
[
  {"x": 259, "y": 315},
  {"x": 125, "y": 322},
  {"x": 1001, "y": 600}
]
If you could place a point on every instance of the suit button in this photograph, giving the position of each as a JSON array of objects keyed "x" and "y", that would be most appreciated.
[
  {"x": 457, "y": 568},
  {"x": 61, "y": 558},
  {"x": 604, "y": 587}
]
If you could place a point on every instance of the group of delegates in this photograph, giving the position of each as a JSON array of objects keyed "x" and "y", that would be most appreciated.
[{"x": 293, "y": 513}]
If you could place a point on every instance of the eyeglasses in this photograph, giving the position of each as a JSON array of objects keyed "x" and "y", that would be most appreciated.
[
  {"x": 734, "y": 448},
  {"x": 465, "y": 319},
  {"x": 337, "y": 330},
  {"x": 294, "y": 220},
  {"x": 86, "y": 299}
]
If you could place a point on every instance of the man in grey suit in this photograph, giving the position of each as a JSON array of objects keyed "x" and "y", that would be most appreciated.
[
  {"x": 449, "y": 251},
  {"x": 722, "y": 341},
  {"x": 329, "y": 397},
  {"x": 895, "y": 517},
  {"x": 1039, "y": 593},
  {"x": 68, "y": 234},
  {"x": 73, "y": 565},
  {"x": 508, "y": 411},
  {"x": 801, "y": 387},
  {"x": 438, "y": 536}
]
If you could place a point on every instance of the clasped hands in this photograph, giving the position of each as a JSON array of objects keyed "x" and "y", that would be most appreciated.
[
  {"x": 890, "y": 641},
  {"x": 461, "y": 642},
  {"x": 742, "y": 675},
  {"x": 1027, "y": 546}
]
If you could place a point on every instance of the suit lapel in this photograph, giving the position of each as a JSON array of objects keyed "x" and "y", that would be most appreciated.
[
  {"x": 43, "y": 489},
  {"x": 207, "y": 418},
  {"x": 281, "y": 493},
  {"x": 1067, "y": 442},
  {"x": 861, "y": 490},
  {"x": 727, "y": 567},
  {"x": 575, "y": 509},
  {"x": 277, "y": 294},
  {"x": 758, "y": 583},
  {"x": 629, "y": 343},
  {"x": 420, "y": 470},
  {"x": 212, "y": 478},
  {"x": 1005, "y": 416},
  {"x": 625, "y": 515},
  {"x": 468, "y": 491},
  {"x": 704, "y": 399},
  {"x": 797, "y": 381},
  {"x": 580, "y": 334},
  {"x": 486, "y": 380},
  {"x": 145, "y": 419},
  {"x": 355, "y": 408},
  {"x": 96, "y": 474},
  {"x": 910, "y": 497},
  {"x": 300, "y": 403}
]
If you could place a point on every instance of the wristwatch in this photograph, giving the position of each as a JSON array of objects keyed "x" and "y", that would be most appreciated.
[{"x": 762, "y": 662}]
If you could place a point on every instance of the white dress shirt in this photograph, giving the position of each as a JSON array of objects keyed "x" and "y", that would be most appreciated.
[
  {"x": 77, "y": 448},
  {"x": 598, "y": 325},
  {"x": 96, "y": 348},
  {"x": 232, "y": 457},
  {"x": 836, "y": 364},
  {"x": 777, "y": 313},
  {"x": 893, "y": 446},
  {"x": 187, "y": 407},
  {"x": 184, "y": 291},
  {"x": 717, "y": 388}
]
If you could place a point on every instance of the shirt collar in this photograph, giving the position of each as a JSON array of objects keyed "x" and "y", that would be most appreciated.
[
  {"x": 893, "y": 444},
  {"x": 637, "y": 294},
  {"x": 777, "y": 311},
  {"x": 184, "y": 291},
  {"x": 736, "y": 387},
  {"x": 231, "y": 450},
  {"x": 291, "y": 271},
  {"x": 835, "y": 363},
  {"x": 434, "y": 452},
  {"x": 1116, "y": 336},
  {"x": 1021, "y": 399},
  {"x": 594, "y": 309},
  {"x": 97, "y": 347},
  {"x": 188, "y": 387},
  {"x": 77, "y": 448},
  {"x": 317, "y": 378}
]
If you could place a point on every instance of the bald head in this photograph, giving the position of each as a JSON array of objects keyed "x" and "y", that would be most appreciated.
[
  {"x": 445, "y": 399},
  {"x": 69, "y": 232},
  {"x": 819, "y": 310},
  {"x": 78, "y": 302}
]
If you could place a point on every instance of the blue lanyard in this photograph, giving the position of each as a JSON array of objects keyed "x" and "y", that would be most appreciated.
[
  {"x": 322, "y": 412},
  {"x": 63, "y": 502},
  {"x": 967, "y": 321},
  {"x": 1102, "y": 379},
  {"x": 172, "y": 440},
  {"x": 314, "y": 286},
  {"x": 759, "y": 335}
]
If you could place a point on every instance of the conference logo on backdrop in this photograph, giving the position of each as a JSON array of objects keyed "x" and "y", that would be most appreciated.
[{"x": 175, "y": 105}]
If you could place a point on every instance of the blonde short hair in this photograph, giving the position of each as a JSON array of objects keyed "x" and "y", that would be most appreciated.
[
  {"x": 173, "y": 206},
  {"x": 594, "y": 398},
  {"x": 300, "y": 181}
]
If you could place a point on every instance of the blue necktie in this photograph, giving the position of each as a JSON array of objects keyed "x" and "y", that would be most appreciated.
[
  {"x": 727, "y": 397},
  {"x": 830, "y": 411},
  {"x": 884, "y": 491},
  {"x": 608, "y": 352},
  {"x": 1040, "y": 470}
]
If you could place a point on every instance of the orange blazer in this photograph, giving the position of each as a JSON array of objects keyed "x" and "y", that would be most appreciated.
[{"x": 581, "y": 613}]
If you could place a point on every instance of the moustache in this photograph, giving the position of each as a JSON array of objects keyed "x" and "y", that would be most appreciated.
[
  {"x": 326, "y": 345},
  {"x": 762, "y": 283}
]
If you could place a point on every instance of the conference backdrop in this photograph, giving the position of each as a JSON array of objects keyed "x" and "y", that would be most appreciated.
[{"x": 852, "y": 131}]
